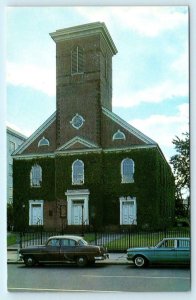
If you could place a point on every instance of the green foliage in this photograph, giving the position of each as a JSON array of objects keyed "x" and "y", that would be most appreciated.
[
  {"x": 152, "y": 187},
  {"x": 12, "y": 239},
  {"x": 181, "y": 167}
]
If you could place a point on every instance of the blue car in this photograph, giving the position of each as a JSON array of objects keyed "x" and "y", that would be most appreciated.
[{"x": 169, "y": 251}]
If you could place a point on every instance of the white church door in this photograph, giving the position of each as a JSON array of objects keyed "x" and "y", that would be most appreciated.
[
  {"x": 127, "y": 211},
  {"x": 77, "y": 213},
  {"x": 36, "y": 213}
]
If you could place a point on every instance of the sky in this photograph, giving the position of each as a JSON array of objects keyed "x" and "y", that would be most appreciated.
[{"x": 150, "y": 70}]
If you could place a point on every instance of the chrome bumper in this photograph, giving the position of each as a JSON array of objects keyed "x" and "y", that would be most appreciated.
[{"x": 104, "y": 256}]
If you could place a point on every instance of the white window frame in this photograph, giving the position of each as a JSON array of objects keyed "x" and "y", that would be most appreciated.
[
  {"x": 124, "y": 177},
  {"x": 36, "y": 202},
  {"x": 10, "y": 194},
  {"x": 117, "y": 134},
  {"x": 73, "y": 121},
  {"x": 77, "y": 176},
  {"x": 36, "y": 176},
  {"x": 12, "y": 146},
  {"x": 128, "y": 200},
  {"x": 43, "y": 142}
]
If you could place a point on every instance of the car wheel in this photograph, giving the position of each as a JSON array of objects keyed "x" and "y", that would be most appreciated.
[
  {"x": 29, "y": 261},
  {"x": 81, "y": 261},
  {"x": 140, "y": 261}
]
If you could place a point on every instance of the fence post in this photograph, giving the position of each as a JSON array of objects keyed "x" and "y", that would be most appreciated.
[
  {"x": 129, "y": 235},
  {"x": 20, "y": 240},
  {"x": 41, "y": 236}
]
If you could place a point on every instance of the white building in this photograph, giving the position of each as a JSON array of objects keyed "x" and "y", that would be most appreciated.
[{"x": 14, "y": 139}]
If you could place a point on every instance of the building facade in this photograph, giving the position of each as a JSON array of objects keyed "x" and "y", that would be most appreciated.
[
  {"x": 85, "y": 166},
  {"x": 14, "y": 140}
]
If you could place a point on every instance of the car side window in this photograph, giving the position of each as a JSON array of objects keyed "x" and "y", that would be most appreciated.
[
  {"x": 53, "y": 242},
  {"x": 68, "y": 242},
  {"x": 167, "y": 244},
  {"x": 72, "y": 243},
  {"x": 183, "y": 244}
]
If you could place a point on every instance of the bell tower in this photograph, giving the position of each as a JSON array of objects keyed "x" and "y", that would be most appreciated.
[{"x": 83, "y": 80}]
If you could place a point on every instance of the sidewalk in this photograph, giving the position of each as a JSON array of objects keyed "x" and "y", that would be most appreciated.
[{"x": 114, "y": 258}]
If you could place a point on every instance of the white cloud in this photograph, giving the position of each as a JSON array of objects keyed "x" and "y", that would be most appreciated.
[
  {"x": 181, "y": 65},
  {"x": 23, "y": 131},
  {"x": 154, "y": 94},
  {"x": 33, "y": 76},
  {"x": 147, "y": 20},
  {"x": 164, "y": 128}
]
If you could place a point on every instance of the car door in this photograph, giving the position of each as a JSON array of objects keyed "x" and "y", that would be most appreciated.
[
  {"x": 183, "y": 251},
  {"x": 166, "y": 252},
  {"x": 52, "y": 251},
  {"x": 67, "y": 249}
]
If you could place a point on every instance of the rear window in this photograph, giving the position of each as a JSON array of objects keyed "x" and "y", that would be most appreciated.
[{"x": 183, "y": 243}]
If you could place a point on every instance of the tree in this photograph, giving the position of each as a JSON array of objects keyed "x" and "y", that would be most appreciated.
[{"x": 181, "y": 169}]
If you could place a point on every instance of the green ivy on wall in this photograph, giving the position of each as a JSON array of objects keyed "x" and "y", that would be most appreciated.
[{"x": 153, "y": 186}]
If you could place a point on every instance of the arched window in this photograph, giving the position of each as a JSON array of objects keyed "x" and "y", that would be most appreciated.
[
  {"x": 43, "y": 142},
  {"x": 127, "y": 170},
  {"x": 78, "y": 172},
  {"x": 77, "y": 60},
  {"x": 36, "y": 176},
  {"x": 119, "y": 135}
]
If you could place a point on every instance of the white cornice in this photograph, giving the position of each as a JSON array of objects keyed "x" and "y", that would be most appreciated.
[
  {"x": 38, "y": 132},
  {"x": 33, "y": 156},
  {"x": 79, "y": 151},
  {"x": 16, "y": 133},
  {"x": 85, "y": 151},
  {"x": 127, "y": 126},
  {"x": 126, "y": 149},
  {"x": 85, "y": 30}
]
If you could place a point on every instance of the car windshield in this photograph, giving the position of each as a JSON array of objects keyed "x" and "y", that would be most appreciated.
[{"x": 82, "y": 242}]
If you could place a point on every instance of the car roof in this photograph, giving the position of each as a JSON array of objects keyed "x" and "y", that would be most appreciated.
[
  {"x": 74, "y": 237},
  {"x": 177, "y": 238}
]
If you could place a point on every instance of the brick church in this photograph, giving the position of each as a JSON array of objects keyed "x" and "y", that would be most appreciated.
[{"x": 85, "y": 166}]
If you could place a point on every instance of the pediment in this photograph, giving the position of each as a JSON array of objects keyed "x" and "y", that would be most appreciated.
[{"x": 77, "y": 143}]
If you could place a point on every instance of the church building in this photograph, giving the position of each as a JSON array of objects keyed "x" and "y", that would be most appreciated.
[{"x": 85, "y": 166}]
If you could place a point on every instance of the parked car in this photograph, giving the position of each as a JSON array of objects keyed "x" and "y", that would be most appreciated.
[
  {"x": 63, "y": 249},
  {"x": 168, "y": 250}
]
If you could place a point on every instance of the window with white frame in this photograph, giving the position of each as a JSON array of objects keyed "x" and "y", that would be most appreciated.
[
  {"x": 12, "y": 146},
  {"x": 78, "y": 172},
  {"x": 10, "y": 194},
  {"x": 36, "y": 212},
  {"x": 43, "y": 142},
  {"x": 127, "y": 170},
  {"x": 77, "y": 60},
  {"x": 119, "y": 135},
  {"x": 36, "y": 176}
]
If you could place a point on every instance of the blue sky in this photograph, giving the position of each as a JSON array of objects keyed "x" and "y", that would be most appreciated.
[{"x": 150, "y": 70}]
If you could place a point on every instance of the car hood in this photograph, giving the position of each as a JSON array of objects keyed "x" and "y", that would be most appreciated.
[{"x": 141, "y": 249}]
